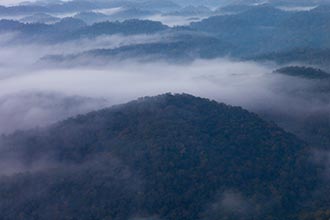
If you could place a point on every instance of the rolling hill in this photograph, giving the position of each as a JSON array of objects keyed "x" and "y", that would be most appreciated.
[{"x": 163, "y": 157}]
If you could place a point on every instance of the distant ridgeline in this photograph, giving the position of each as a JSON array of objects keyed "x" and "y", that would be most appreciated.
[
  {"x": 163, "y": 157},
  {"x": 303, "y": 72},
  {"x": 307, "y": 56},
  {"x": 74, "y": 29},
  {"x": 254, "y": 32}
]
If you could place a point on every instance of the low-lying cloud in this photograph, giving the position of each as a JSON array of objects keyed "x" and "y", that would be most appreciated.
[
  {"x": 231, "y": 204},
  {"x": 28, "y": 110},
  {"x": 246, "y": 84}
]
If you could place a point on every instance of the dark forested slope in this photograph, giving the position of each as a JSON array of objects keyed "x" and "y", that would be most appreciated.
[
  {"x": 303, "y": 72},
  {"x": 167, "y": 157}
]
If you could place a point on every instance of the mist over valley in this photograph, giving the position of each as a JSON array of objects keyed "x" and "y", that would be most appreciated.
[{"x": 173, "y": 109}]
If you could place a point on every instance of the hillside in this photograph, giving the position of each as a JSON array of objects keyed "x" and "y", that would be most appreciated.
[
  {"x": 252, "y": 32},
  {"x": 303, "y": 72},
  {"x": 163, "y": 157},
  {"x": 72, "y": 29},
  {"x": 176, "y": 48},
  {"x": 318, "y": 57},
  {"x": 265, "y": 29}
]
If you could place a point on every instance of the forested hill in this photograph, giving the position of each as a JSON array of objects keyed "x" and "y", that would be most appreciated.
[
  {"x": 303, "y": 72},
  {"x": 164, "y": 157}
]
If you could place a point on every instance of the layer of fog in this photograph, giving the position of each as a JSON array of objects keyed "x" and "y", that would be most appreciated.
[
  {"x": 246, "y": 84},
  {"x": 297, "y": 8},
  {"x": 15, "y": 56},
  {"x": 109, "y": 11},
  {"x": 19, "y": 2},
  {"x": 251, "y": 85},
  {"x": 231, "y": 203},
  {"x": 175, "y": 20},
  {"x": 27, "y": 110},
  {"x": 21, "y": 17},
  {"x": 11, "y": 2}
]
